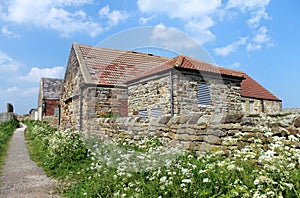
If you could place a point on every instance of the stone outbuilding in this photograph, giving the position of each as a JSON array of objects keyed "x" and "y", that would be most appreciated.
[
  {"x": 185, "y": 86},
  {"x": 257, "y": 99},
  {"x": 49, "y": 100},
  {"x": 103, "y": 82},
  {"x": 95, "y": 82}
]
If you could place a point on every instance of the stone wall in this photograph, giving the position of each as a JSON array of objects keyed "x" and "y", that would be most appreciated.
[
  {"x": 6, "y": 116},
  {"x": 150, "y": 95},
  {"x": 291, "y": 110},
  {"x": 198, "y": 132},
  {"x": 155, "y": 93},
  {"x": 252, "y": 105},
  {"x": 70, "y": 103},
  {"x": 104, "y": 102},
  {"x": 52, "y": 120}
]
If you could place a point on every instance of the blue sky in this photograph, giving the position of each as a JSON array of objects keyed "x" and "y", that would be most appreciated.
[{"x": 259, "y": 37}]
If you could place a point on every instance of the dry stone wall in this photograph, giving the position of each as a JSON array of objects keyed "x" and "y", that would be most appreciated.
[{"x": 198, "y": 132}]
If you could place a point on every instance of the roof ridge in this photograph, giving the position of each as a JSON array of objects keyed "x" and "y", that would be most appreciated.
[{"x": 119, "y": 50}]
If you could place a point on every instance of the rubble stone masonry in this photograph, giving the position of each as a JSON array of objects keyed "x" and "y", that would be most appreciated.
[
  {"x": 198, "y": 132},
  {"x": 155, "y": 93}
]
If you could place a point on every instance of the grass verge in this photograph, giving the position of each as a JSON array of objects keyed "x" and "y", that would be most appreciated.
[{"x": 6, "y": 131}]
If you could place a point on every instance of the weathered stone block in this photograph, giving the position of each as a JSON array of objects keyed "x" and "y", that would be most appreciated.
[
  {"x": 297, "y": 122},
  {"x": 211, "y": 139},
  {"x": 232, "y": 118}
]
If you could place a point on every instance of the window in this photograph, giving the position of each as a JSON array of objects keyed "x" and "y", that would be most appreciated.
[
  {"x": 157, "y": 112},
  {"x": 143, "y": 113},
  {"x": 203, "y": 94}
]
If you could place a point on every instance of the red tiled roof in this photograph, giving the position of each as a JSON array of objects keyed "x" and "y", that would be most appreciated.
[
  {"x": 252, "y": 89},
  {"x": 115, "y": 67},
  {"x": 188, "y": 63},
  {"x": 249, "y": 87}
]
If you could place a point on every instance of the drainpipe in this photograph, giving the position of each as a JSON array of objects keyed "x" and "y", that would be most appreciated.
[
  {"x": 171, "y": 94},
  {"x": 262, "y": 106},
  {"x": 80, "y": 107}
]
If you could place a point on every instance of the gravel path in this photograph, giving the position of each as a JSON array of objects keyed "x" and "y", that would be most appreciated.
[{"x": 21, "y": 177}]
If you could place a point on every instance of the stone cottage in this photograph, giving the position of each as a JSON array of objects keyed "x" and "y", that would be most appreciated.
[
  {"x": 49, "y": 100},
  {"x": 184, "y": 86},
  {"x": 103, "y": 82},
  {"x": 95, "y": 82}
]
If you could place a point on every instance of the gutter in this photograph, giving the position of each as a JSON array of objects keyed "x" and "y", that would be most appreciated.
[
  {"x": 80, "y": 106},
  {"x": 171, "y": 94}
]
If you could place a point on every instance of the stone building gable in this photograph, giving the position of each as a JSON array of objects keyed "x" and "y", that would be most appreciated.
[
  {"x": 49, "y": 97},
  {"x": 109, "y": 67}
]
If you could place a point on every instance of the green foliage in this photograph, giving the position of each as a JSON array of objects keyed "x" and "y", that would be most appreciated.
[
  {"x": 144, "y": 168},
  {"x": 6, "y": 132},
  {"x": 57, "y": 151}
]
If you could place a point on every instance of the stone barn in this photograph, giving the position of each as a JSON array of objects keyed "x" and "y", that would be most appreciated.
[
  {"x": 95, "y": 82},
  {"x": 49, "y": 100},
  {"x": 257, "y": 99},
  {"x": 103, "y": 82},
  {"x": 185, "y": 86}
]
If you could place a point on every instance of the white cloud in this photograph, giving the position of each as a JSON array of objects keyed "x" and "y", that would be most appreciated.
[
  {"x": 261, "y": 38},
  {"x": 257, "y": 9},
  {"x": 114, "y": 17},
  {"x": 145, "y": 20},
  {"x": 196, "y": 14},
  {"x": 10, "y": 34},
  {"x": 200, "y": 29},
  {"x": 29, "y": 92},
  {"x": 17, "y": 92},
  {"x": 7, "y": 65},
  {"x": 185, "y": 9},
  {"x": 171, "y": 38},
  {"x": 36, "y": 74},
  {"x": 256, "y": 17},
  {"x": 247, "y": 4},
  {"x": 235, "y": 65},
  {"x": 224, "y": 51},
  {"x": 52, "y": 14}
]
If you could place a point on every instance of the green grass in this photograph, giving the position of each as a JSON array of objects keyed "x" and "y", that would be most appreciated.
[
  {"x": 6, "y": 132},
  {"x": 124, "y": 168}
]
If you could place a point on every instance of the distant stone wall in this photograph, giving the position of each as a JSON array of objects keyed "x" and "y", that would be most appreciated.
[
  {"x": 6, "y": 116},
  {"x": 225, "y": 95},
  {"x": 291, "y": 110},
  {"x": 197, "y": 132},
  {"x": 252, "y": 105}
]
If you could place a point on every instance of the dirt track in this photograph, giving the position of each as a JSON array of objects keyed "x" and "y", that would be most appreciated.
[{"x": 21, "y": 177}]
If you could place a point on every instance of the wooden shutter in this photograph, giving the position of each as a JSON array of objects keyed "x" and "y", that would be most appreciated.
[
  {"x": 203, "y": 94},
  {"x": 157, "y": 112}
]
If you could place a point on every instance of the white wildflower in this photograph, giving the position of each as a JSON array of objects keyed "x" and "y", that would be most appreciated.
[
  {"x": 186, "y": 181},
  {"x": 256, "y": 182},
  {"x": 206, "y": 180}
]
